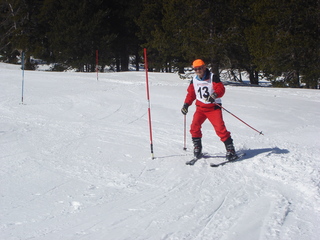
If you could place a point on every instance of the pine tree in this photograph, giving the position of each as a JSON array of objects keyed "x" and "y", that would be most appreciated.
[
  {"x": 181, "y": 30},
  {"x": 284, "y": 39},
  {"x": 76, "y": 31},
  {"x": 122, "y": 25},
  {"x": 19, "y": 28},
  {"x": 148, "y": 20}
]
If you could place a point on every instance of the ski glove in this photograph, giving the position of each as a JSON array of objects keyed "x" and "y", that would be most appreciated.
[
  {"x": 184, "y": 109},
  {"x": 211, "y": 98}
]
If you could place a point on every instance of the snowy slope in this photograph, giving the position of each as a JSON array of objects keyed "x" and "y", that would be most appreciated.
[{"x": 76, "y": 162}]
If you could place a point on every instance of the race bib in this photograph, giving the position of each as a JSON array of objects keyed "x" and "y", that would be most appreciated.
[{"x": 204, "y": 89}]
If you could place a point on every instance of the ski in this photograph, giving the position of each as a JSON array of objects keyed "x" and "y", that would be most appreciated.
[
  {"x": 208, "y": 156},
  {"x": 203, "y": 156},
  {"x": 240, "y": 155},
  {"x": 193, "y": 161}
]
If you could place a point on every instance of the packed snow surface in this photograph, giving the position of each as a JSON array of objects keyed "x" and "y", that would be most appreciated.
[{"x": 76, "y": 161}]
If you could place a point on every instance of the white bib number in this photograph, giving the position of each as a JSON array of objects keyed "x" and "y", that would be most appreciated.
[{"x": 203, "y": 89}]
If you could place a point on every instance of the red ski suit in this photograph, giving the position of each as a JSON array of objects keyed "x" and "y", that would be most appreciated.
[{"x": 199, "y": 90}]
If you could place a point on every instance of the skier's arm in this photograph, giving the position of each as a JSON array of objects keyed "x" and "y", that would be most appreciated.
[
  {"x": 218, "y": 87},
  {"x": 191, "y": 95}
]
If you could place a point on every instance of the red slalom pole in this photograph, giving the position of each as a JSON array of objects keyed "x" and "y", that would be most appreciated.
[
  {"x": 240, "y": 119},
  {"x": 148, "y": 98}
]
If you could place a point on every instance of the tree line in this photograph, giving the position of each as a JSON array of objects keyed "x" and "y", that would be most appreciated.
[{"x": 271, "y": 38}]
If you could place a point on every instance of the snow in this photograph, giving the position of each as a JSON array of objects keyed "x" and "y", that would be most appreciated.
[{"x": 76, "y": 161}]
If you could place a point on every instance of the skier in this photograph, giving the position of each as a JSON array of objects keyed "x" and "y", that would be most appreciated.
[{"x": 207, "y": 89}]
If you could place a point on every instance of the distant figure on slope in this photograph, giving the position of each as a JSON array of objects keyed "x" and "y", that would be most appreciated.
[{"x": 207, "y": 89}]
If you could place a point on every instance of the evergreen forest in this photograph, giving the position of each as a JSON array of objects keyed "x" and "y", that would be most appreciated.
[{"x": 275, "y": 39}]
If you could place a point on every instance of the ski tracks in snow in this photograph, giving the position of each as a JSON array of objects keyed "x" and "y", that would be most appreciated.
[{"x": 76, "y": 164}]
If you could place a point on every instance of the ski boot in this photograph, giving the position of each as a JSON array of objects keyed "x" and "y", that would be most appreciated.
[
  {"x": 197, "y": 151},
  {"x": 231, "y": 154}
]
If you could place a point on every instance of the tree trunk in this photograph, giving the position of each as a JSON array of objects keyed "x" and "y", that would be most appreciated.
[
  {"x": 253, "y": 76},
  {"x": 117, "y": 64},
  {"x": 124, "y": 62},
  {"x": 215, "y": 67},
  {"x": 137, "y": 61},
  {"x": 240, "y": 76},
  {"x": 256, "y": 77}
]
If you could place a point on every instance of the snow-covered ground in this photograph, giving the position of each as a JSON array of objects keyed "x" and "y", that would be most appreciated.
[{"x": 76, "y": 162}]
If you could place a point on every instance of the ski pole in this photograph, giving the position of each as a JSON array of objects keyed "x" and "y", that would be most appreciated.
[
  {"x": 185, "y": 132},
  {"x": 240, "y": 119}
]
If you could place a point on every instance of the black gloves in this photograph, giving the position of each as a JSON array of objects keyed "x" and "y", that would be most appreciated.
[
  {"x": 184, "y": 109},
  {"x": 212, "y": 98}
]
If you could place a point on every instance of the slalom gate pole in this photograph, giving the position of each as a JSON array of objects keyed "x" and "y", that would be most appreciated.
[
  {"x": 97, "y": 64},
  {"x": 148, "y": 98},
  {"x": 22, "y": 65},
  {"x": 185, "y": 133},
  {"x": 260, "y": 132}
]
